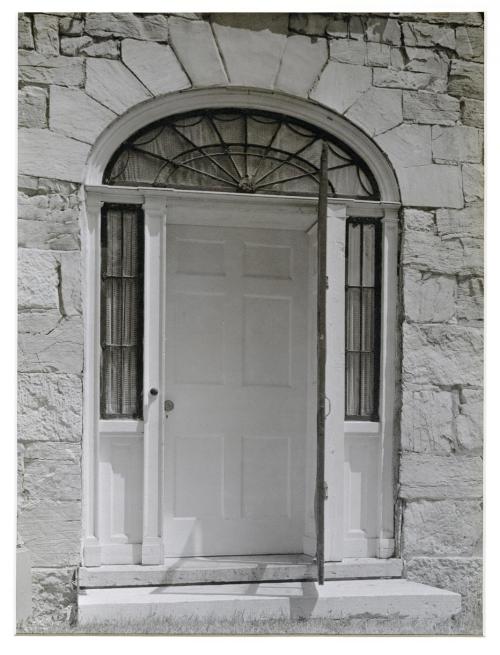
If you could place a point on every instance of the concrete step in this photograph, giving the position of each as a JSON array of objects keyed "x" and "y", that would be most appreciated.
[
  {"x": 224, "y": 569},
  {"x": 339, "y": 599}
]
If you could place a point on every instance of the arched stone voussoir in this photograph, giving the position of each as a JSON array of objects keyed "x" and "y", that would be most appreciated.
[
  {"x": 340, "y": 85},
  {"x": 155, "y": 65},
  {"x": 75, "y": 114},
  {"x": 251, "y": 51},
  {"x": 201, "y": 61},
  {"x": 301, "y": 64},
  {"x": 113, "y": 85}
]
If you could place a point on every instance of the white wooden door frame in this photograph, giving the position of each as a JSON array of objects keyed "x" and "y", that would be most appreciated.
[{"x": 239, "y": 209}]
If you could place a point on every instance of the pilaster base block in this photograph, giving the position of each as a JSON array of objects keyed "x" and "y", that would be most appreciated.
[
  {"x": 385, "y": 548},
  {"x": 152, "y": 552},
  {"x": 92, "y": 553}
]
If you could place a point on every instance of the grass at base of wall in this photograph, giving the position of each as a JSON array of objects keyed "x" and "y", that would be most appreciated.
[{"x": 238, "y": 626}]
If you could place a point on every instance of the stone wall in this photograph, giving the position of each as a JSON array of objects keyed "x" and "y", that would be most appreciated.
[{"x": 414, "y": 83}]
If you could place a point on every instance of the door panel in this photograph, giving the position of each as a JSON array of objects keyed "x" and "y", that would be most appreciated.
[{"x": 236, "y": 369}]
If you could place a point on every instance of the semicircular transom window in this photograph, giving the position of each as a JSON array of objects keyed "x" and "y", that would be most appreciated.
[{"x": 241, "y": 151}]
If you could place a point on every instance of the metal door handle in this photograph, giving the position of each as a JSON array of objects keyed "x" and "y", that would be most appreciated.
[{"x": 168, "y": 406}]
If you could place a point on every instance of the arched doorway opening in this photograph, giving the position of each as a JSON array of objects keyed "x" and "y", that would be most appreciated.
[{"x": 215, "y": 314}]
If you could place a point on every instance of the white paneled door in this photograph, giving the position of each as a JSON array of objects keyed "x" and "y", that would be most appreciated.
[{"x": 236, "y": 371}]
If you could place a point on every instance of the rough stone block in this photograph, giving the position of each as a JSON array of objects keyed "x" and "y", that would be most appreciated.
[
  {"x": 462, "y": 575},
  {"x": 384, "y": 30},
  {"x": 55, "y": 205},
  {"x": 416, "y": 219},
  {"x": 52, "y": 472},
  {"x": 70, "y": 290},
  {"x": 43, "y": 153},
  {"x": 472, "y": 112},
  {"x": 428, "y": 35},
  {"x": 377, "y": 110},
  {"x": 473, "y": 181},
  {"x": 251, "y": 51},
  {"x": 32, "y": 107},
  {"x": 72, "y": 46},
  {"x": 378, "y": 54},
  {"x": 423, "y": 60},
  {"x": 48, "y": 235},
  {"x": 110, "y": 49},
  {"x": 54, "y": 594},
  {"x": 58, "y": 349},
  {"x": 74, "y": 114},
  {"x": 429, "y": 252},
  {"x": 437, "y": 477},
  {"x": 37, "y": 322},
  {"x": 347, "y": 51},
  {"x": 428, "y": 298},
  {"x": 470, "y": 43},
  {"x": 442, "y": 355},
  {"x": 113, "y": 85},
  {"x": 302, "y": 62},
  {"x": 70, "y": 26},
  {"x": 84, "y": 45},
  {"x": 407, "y": 145},
  {"x": 340, "y": 85},
  {"x": 46, "y": 31},
  {"x": 457, "y": 144},
  {"x": 50, "y": 407},
  {"x": 466, "y": 222},
  {"x": 155, "y": 65},
  {"x": 149, "y": 27},
  {"x": 470, "y": 299},
  {"x": 401, "y": 79},
  {"x": 445, "y": 17},
  {"x": 442, "y": 528},
  {"x": 356, "y": 28},
  {"x": 434, "y": 185},
  {"x": 311, "y": 24},
  {"x": 37, "y": 280},
  {"x": 466, "y": 79},
  {"x": 24, "y": 33},
  {"x": 35, "y": 68},
  {"x": 427, "y": 421},
  {"x": 202, "y": 63},
  {"x": 20, "y": 478},
  {"x": 337, "y": 27},
  {"x": 52, "y": 532},
  {"x": 469, "y": 422},
  {"x": 425, "y": 107}
]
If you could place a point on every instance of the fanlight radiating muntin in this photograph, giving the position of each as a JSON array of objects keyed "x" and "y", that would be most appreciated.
[{"x": 238, "y": 150}]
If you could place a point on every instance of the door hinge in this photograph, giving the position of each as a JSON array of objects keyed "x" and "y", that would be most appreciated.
[
  {"x": 327, "y": 285},
  {"x": 325, "y": 490}
]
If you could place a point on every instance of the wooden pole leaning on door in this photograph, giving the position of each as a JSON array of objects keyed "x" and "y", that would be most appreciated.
[{"x": 320, "y": 495}]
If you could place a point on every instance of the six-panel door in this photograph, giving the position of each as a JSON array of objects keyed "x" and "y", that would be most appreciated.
[{"x": 236, "y": 370}]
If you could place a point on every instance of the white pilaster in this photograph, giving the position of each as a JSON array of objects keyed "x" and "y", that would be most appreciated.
[
  {"x": 334, "y": 382},
  {"x": 154, "y": 215},
  {"x": 90, "y": 456},
  {"x": 389, "y": 299}
]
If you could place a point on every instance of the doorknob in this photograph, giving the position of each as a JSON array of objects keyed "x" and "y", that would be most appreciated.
[{"x": 168, "y": 406}]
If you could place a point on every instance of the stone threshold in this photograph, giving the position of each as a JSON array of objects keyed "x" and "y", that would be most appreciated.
[
  {"x": 228, "y": 569},
  {"x": 337, "y": 599}
]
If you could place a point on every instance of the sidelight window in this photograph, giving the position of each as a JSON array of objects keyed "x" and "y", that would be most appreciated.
[
  {"x": 122, "y": 247},
  {"x": 362, "y": 318}
]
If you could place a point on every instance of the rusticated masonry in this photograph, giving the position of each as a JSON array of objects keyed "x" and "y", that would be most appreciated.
[{"x": 413, "y": 83}]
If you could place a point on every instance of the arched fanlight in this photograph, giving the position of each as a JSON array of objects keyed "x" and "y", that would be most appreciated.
[{"x": 238, "y": 150}]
